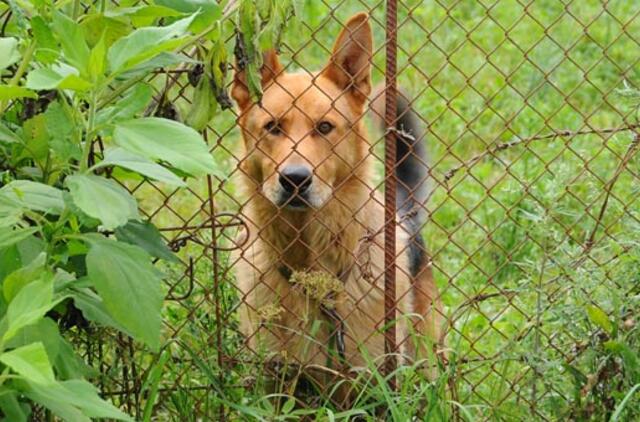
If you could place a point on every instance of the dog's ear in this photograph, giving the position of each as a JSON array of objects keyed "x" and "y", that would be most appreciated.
[
  {"x": 271, "y": 67},
  {"x": 350, "y": 63}
]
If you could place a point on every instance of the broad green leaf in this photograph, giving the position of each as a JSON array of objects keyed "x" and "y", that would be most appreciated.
[
  {"x": 45, "y": 331},
  {"x": 203, "y": 106},
  {"x": 72, "y": 40},
  {"x": 9, "y": 53},
  {"x": 7, "y": 136},
  {"x": 34, "y": 196},
  {"x": 12, "y": 409},
  {"x": 145, "y": 43},
  {"x": 10, "y": 236},
  {"x": 56, "y": 77},
  {"x": 9, "y": 217},
  {"x": 161, "y": 60},
  {"x": 147, "y": 236},
  {"x": 74, "y": 400},
  {"x": 61, "y": 126},
  {"x": 15, "y": 281},
  {"x": 47, "y": 50},
  {"x": 31, "y": 362},
  {"x": 71, "y": 366},
  {"x": 133, "y": 102},
  {"x": 163, "y": 139},
  {"x": 30, "y": 304},
  {"x": 139, "y": 164},
  {"x": 97, "y": 25},
  {"x": 93, "y": 309},
  {"x": 12, "y": 92},
  {"x": 36, "y": 139},
  {"x": 209, "y": 11},
  {"x": 600, "y": 318},
  {"x": 125, "y": 279},
  {"x": 97, "y": 60},
  {"x": 103, "y": 199},
  {"x": 148, "y": 10},
  {"x": 19, "y": 253}
]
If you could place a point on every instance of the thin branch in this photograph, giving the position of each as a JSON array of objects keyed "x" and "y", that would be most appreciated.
[{"x": 551, "y": 136}]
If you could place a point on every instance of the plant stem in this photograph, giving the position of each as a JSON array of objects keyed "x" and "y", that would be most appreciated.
[{"x": 88, "y": 141}]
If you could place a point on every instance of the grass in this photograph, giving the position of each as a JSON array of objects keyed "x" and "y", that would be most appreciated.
[{"x": 509, "y": 236}]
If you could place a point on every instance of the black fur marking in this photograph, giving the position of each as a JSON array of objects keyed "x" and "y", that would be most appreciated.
[{"x": 411, "y": 174}]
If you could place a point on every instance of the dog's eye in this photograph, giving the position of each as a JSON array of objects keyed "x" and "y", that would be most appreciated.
[
  {"x": 324, "y": 127},
  {"x": 273, "y": 127}
]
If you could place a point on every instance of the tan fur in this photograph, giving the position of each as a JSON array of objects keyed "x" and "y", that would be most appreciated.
[{"x": 344, "y": 229}]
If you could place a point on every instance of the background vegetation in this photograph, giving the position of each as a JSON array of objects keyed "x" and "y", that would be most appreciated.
[{"x": 535, "y": 245}]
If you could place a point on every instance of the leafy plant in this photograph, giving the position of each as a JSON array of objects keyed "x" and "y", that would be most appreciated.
[{"x": 72, "y": 99}]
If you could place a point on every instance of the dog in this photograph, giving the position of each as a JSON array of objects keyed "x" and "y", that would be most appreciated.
[{"x": 313, "y": 214}]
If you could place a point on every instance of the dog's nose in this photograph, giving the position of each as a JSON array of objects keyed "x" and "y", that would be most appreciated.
[{"x": 295, "y": 177}]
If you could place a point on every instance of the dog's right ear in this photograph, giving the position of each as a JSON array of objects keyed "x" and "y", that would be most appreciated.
[
  {"x": 350, "y": 63},
  {"x": 271, "y": 67}
]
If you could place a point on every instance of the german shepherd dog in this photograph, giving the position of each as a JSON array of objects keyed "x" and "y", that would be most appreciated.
[{"x": 311, "y": 210}]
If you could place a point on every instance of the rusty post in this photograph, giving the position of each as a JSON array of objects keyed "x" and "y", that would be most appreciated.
[
  {"x": 390, "y": 193},
  {"x": 216, "y": 282}
]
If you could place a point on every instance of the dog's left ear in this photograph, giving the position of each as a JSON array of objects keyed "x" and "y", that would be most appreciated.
[
  {"x": 271, "y": 67},
  {"x": 350, "y": 63}
]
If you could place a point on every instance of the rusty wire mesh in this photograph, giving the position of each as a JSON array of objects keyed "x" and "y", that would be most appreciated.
[{"x": 532, "y": 208}]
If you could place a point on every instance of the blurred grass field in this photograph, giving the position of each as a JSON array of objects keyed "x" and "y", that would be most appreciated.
[{"x": 509, "y": 235}]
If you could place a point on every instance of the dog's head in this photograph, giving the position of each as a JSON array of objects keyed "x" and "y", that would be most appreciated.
[{"x": 305, "y": 138}]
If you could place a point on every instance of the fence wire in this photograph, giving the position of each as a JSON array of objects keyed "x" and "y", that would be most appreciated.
[{"x": 531, "y": 216}]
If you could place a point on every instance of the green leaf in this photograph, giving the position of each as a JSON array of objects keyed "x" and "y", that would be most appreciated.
[
  {"x": 60, "y": 126},
  {"x": 34, "y": 196},
  {"x": 31, "y": 362},
  {"x": 139, "y": 164},
  {"x": 133, "y": 102},
  {"x": 103, "y": 199},
  {"x": 629, "y": 357},
  {"x": 163, "y": 139},
  {"x": 159, "y": 61},
  {"x": 125, "y": 279},
  {"x": 97, "y": 60},
  {"x": 15, "y": 281},
  {"x": 47, "y": 50},
  {"x": 30, "y": 304},
  {"x": 74, "y": 400},
  {"x": 145, "y": 43},
  {"x": 146, "y": 11},
  {"x": 9, "y": 53},
  {"x": 11, "y": 407},
  {"x": 56, "y": 77},
  {"x": 93, "y": 309},
  {"x": 7, "y": 136},
  {"x": 36, "y": 139},
  {"x": 69, "y": 365},
  {"x": 209, "y": 11},
  {"x": 600, "y": 318},
  {"x": 97, "y": 25},
  {"x": 71, "y": 38},
  {"x": 147, "y": 236},
  {"x": 45, "y": 331},
  {"x": 203, "y": 106},
  {"x": 20, "y": 253},
  {"x": 12, "y": 92},
  {"x": 10, "y": 237}
]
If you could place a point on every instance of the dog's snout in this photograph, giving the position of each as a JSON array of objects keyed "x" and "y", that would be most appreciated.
[{"x": 295, "y": 178}]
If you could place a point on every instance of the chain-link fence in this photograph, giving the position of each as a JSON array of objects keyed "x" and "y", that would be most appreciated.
[{"x": 520, "y": 304}]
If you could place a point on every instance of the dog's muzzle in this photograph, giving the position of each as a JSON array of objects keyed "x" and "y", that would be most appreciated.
[{"x": 295, "y": 181}]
